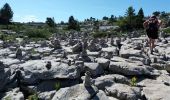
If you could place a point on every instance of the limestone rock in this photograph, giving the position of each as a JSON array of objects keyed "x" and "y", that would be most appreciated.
[
  {"x": 46, "y": 95},
  {"x": 77, "y": 92},
  {"x": 94, "y": 68},
  {"x": 123, "y": 92},
  {"x": 132, "y": 68},
  {"x": 108, "y": 80},
  {"x": 77, "y": 47},
  {"x": 35, "y": 70},
  {"x": 155, "y": 90},
  {"x": 101, "y": 95},
  {"x": 15, "y": 94},
  {"x": 103, "y": 62}
]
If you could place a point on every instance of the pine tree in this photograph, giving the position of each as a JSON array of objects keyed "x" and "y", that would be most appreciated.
[
  {"x": 50, "y": 22},
  {"x": 6, "y": 14},
  {"x": 156, "y": 13},
  {"x": 73, "y": 24},
  {"x": 130, "y": 18},
  {"x": 140, "y": 19}
]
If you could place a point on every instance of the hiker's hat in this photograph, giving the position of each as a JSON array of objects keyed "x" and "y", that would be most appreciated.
[{"x": 152, "y": 17}]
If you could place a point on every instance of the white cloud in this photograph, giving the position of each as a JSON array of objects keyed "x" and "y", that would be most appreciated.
[{"x": 26, "y": 18}]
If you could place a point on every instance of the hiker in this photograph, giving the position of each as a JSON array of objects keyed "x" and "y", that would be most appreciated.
[{"x": 152, "y": 26}]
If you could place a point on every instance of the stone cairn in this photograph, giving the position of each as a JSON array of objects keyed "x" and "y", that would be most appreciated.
[
  {"x": 57, "y": 44},
  {"x": 19, "y": 53},
  {"x": 87, "y": 81},
  {"x": 48, "y": 65}
]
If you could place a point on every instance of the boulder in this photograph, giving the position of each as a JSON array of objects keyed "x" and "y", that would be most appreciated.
[
  {"x": 5, "y": 52},
  {"x": 93, "y": 54},
  {"x": 83, "y": 55},
  {"x": 9, "y": 61},
  {"x": 167, "y": 66},
  {"x": 101, "y": 95},
  {"x": 132, "y": 68},
  {"x": 44, "y": 44},
  {"x": 154, "y": 90},
  {"x": 103, "y": 43},
  {"x": 164, "y": 78},
  {"x": 93, "y": 47},
  {"x": 35, "y": 70},
  {"x": 48, "y": 95},
  {"x": 123, "y": 92},
  {"x": 112, "y": 98},
  {"x": 57, "y": 44},
  {"x": 14, "y": 94},
  {"x": 109, "y": 52},
  {"x": 104, "y": 63},
  {"x": 6, "y": 78},
  {"x": 77, "y": 47},
  {"x": 126, "y": 53},
  {"x": 77, "y": 92},
  {"x": 108, "y": 80},
  {"x": 35, "y": 56},
  {"x": 94, "y": 68}
]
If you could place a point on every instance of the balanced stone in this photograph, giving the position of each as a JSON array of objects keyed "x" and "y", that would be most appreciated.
[
  {"x": 57, "y": 44},
  {"x": 87, "y": 81},
  {"x": 19, "y": 53}
]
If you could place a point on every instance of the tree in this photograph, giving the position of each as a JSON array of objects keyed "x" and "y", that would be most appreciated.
[
  {"x": 92, "y": 19},
  {"x": 156, "y": 13},
  {"x": 62, "y": 23},
  {"x": 130, "y": 17},
  {"x": 6, "y": 14},
  {"x": 113, "y": 18},
  {"x": 50, "y": 22},
  {"x": 105, "y": 18},
  {"x": 122, "y": 23},
  {"x": 141, "y": 13},
  {"x": 140, "y": 19},
  {"x": 73, "y": 24}
]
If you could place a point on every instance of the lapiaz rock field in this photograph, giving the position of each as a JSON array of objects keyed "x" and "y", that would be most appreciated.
[{"x": 79, "y": 67}]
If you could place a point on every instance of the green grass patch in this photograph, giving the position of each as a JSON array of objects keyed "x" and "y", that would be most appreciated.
[
  {"x": 38, "y": 33},
  {"x": 167, "y": 30},
  {"x": 57, "y": 86},
  {"x": 133, "y": 81},
  {"x": 33, "y": 97}
]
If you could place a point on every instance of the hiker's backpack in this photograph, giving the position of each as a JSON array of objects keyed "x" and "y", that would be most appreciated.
[{"x": 152, "y": 26}]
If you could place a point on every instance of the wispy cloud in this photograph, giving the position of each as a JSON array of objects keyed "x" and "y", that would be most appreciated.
[{"x": 26, "y": 18}]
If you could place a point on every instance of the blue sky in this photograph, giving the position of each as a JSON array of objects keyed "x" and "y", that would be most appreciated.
[{"x": 38, "y": 10}]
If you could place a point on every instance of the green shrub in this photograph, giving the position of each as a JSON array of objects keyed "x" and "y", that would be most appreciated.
[
  {"x": 57, "y": 86},
  {"x": 33, "y": 51},
  {"x": 6, "y": 37},
  {"x": 99, "y": 34},
  {"x": 8, "y": 98},
  {"x": 33, "y": 97},
  {"x": 133, "y": 81},
  {"x": 167, "y": 30},
  {"x": 38, "y": 33}
]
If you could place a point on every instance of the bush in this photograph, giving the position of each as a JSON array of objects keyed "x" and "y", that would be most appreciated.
[
  {"x": 57, "y": 86},
  {"x": 8, "y": 98},
  {"x": 99, "y": 34},
  {"x": 6, "y": 37},
  {"x": 167, "y": 30},
  {"x": 38, "y": 33},
  {"x": 133, "y": 81},
  {"x": 33, "y": 97}
]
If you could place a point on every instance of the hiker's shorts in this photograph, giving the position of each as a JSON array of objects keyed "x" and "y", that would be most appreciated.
[{"x": 152, "y": 34}]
